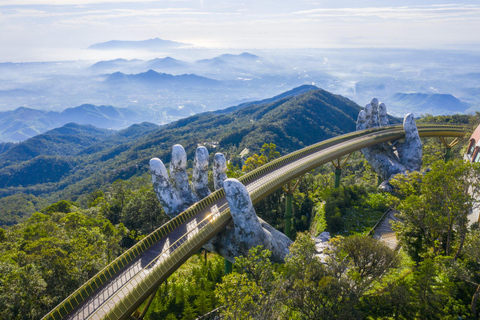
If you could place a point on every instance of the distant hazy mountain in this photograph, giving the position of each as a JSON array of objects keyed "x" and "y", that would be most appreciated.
[
  {"x": 100, "y": 116},
  {"x": 115, "y": 65},
  {"x": 154, "y": 78},
  {"x": 230, "y": 59},
  {"x": 151, "y": 44},
  {"x": 82, "y": 164},
  {"x": 422, "y": 103},
  {"x": 244, "y": 60},
  {"x": 8, "y": 94},
  {"x": 23, "y": 123},
  {"x": 165, "y": 63}
]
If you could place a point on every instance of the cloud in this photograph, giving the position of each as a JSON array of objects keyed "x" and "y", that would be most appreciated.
[
  {"x": 70, "y": 2},
  {"x": 397, "y": 13},
  {"x": 71, "y": 24}
]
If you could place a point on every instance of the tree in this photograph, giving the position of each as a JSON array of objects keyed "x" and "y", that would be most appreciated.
[
  {"x": 364, "y": 260},
  {"x": 268, "y": 153},
  {"x": 3, "y": 236},
  {"x": 189, "y": 312},
  {"x": 250, "y": 291},
  {"x": 311, "y": 290},
  {"x": 254, "y": 162},
  {"x": 305, "y": 288},
  {"x": 469, "y": 269},
  {"x": 269, "y": 150},
  {"x": 434, "y": 209},
  {"x": 431, "y": 296}
]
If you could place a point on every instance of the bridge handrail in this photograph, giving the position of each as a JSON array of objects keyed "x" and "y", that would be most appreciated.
[
  {"x": 94, "y": 283},
  {"x": 82, "y": 293}
]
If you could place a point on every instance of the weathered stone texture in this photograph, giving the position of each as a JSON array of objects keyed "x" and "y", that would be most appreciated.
[{"x": 399, "y": 157}]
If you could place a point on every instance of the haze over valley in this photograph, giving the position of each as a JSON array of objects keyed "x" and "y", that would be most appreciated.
[{"x": 38, "y": 96}]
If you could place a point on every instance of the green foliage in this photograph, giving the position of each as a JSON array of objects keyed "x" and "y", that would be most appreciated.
[
  {"x": 268, "y": 152},
  {"x": 93, "y": 161},
  {"x": 244, "y": 293},
  {"x": 304, "y": 288},
  {"x": 351, "y": 209},
  {"x": 61, "y": 206},
  {"x": 136, "y": 208},
  {"x": 434, "y": 209},
  {"x": 45, "y": 259},
  {"x": 189, "y": 292},
  {"x": 16, "y": 207},
  {"x": 254, "y": 162},
  {"x": 3, "y": 236},
  {"x": 319, "y": 224}
]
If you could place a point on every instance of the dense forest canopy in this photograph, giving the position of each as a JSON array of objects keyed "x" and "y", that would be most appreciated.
[{"x": 46, "y": 255}]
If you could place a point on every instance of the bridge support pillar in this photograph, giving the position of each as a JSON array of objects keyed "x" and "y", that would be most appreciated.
[
  {"x": 448, "y": 154},
  {"x": 139, "y": 315},
  {"x": 228, "y": 267},
  {"x": 338, "y": 169},
  {"x": 289, "y": 190},
  {"x": 288, "y": 213},
  {"x": 449, "y": 146},
  {"x": 338, "y": 174}
]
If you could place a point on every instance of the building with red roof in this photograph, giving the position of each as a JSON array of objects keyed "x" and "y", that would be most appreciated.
[{"x": 473, "y": 150}]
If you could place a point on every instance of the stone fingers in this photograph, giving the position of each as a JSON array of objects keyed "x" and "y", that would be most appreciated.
[
  {"x": 368, "y": 116},
  {"x": 178, "y": 172},
  {"x": 361, "y": 119},
  {"x": 411, "y": 151},
  {"x": 200, "y": 173},
  {"x": 411, "y": 131},
  {"x": 166, "y": 194},
  {"x": 219, "y": 170},
  {"x": 374, "y": 121},
  {"x": 382, "y": 115},
  {"x": 248, "y": 230}
]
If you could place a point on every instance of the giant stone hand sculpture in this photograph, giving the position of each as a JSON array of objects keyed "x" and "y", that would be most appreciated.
[
  {"x": 399, "y": 157},
  {"x": 246, "y": 231}
]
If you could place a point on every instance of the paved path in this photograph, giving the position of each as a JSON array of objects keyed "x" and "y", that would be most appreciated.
[
  {"x": 384, "y": 231},
  {"x": 131, "y": 284}
]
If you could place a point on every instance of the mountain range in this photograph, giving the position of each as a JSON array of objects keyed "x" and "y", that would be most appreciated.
[
  {"x": 229, "y": 64},
  {"x": 231, "y": 77},
  {"x": 150, "y": 44},
  {"x": 434, "y": 103},
  {"x": 62, "y": 165},
  {"x": 155, "y": 79},
  {"x": 23, "y": 123}
]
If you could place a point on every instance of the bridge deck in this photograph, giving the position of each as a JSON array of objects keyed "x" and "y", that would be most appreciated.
[{"x": 123, "y": 285}]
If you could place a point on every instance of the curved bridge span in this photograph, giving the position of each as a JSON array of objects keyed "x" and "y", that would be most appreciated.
[{"x": 122, "y": 286}]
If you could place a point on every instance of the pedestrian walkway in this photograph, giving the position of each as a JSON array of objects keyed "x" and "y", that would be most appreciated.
[{"x": 384, "y": 232}]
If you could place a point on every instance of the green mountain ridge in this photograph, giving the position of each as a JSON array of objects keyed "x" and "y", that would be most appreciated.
[
  {"x": 291, "y": 123},
  {"x": 23, "y": 123}
]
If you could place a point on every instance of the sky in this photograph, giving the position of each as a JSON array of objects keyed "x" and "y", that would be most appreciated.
[{"x": 50, "y": 30}]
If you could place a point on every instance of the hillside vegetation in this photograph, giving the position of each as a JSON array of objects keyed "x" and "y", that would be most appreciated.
[
  {"x": 45, "y": 257},
  {"x": 93, "y": 158}
]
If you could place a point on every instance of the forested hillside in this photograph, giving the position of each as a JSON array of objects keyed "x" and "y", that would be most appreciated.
[
  {"x": 57, "y": 249},
  {"x": 76, "y": 165}
]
